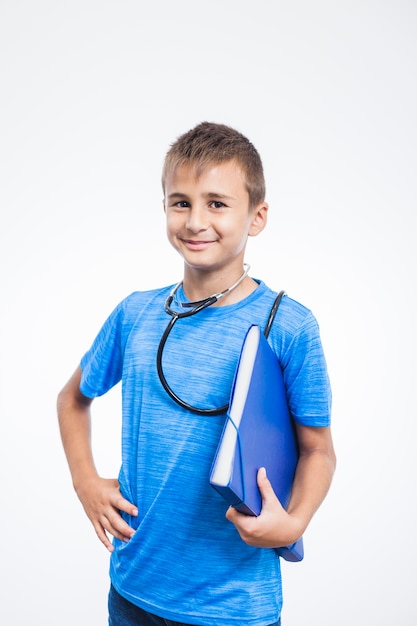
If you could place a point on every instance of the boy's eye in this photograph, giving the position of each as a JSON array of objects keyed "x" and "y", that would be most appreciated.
[
  {"x": 182, "y": 204},
  {"x": 216, "y": 204}
]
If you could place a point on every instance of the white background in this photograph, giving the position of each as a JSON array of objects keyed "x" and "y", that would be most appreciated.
[{"x": 92, "y": 94}]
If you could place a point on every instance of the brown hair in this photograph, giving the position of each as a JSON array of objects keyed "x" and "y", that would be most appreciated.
[{"x": 210, "y": 143}]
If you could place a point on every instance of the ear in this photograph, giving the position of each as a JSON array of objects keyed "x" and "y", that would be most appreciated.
[
  {"x": 259, "y": 219},
  {"x": 164, "y": 205}
]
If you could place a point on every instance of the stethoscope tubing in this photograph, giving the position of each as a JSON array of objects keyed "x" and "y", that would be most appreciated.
[{"x": 175, "y": 316}]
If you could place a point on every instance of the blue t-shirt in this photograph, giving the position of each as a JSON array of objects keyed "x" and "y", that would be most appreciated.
[{"x": 186, "y": 562}]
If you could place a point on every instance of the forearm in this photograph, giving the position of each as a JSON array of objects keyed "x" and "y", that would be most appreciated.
[{"x": 312, "y": 481}]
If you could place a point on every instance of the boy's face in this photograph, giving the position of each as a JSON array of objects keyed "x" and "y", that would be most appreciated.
[{"x": 208, "y": 217}]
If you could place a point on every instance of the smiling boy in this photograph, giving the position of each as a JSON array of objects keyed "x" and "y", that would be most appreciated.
[
  {"x": 208, "y": 223},
  {"x": 178, "y": 555}
]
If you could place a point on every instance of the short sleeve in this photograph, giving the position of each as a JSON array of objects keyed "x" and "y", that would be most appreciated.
[
  {"x": 102, "y": 365},
  {"x": 306, "y": 377}
]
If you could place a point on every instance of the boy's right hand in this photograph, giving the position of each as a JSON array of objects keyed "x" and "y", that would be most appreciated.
[{"x": 102, "y": 501}]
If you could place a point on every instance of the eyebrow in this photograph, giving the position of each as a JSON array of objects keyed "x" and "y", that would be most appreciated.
[
  {"x": 218, "y": 196},
  {"x": 177, "y": 196},
  {"x": 209, "y": 195}
]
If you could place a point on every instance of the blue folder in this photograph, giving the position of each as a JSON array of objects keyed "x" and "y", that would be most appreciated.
[{"x": 259, "y": 432}]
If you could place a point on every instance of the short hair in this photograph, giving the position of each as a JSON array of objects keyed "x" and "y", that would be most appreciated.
[{"x": 209, "y": 143}]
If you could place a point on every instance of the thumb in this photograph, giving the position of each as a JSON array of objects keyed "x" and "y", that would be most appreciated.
[{"x": 265, "y": 487}]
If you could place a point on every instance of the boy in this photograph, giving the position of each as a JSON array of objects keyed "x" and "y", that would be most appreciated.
[{"x": 178, "y": 554}]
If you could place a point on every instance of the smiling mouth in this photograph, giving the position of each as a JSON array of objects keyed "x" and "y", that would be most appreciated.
[{"x": 192, "y": 243}]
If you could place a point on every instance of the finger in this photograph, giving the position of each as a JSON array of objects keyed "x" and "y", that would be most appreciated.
[
  {"x": 269, "y": 498},
  {"x": 264, "y": 485},
  {"x": 120, "y": 503},
  {"x": 102, "y": 535},
  {"x": 124, "y": 505},
  {"x": 107, "y": 528},
  {"x": 268, "y": 495},
  {"x": 117, "y": 526},
  {"x": 231, "y": 514}
]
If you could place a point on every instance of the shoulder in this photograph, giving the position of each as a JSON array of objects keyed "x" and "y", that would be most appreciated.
[
  {"x": 132, "y": 308},
  {"x": 144, "y": 297},
  {"x": 295, "y": 316},
  {"x": 291, "y": 315},
  {"x": 295, "y": 330},
  {"x": 137, "y": 301}
]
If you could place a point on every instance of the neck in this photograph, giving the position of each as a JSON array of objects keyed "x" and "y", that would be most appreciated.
[{"x": 237, "y": 285}]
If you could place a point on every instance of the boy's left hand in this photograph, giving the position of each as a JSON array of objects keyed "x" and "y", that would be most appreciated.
[{"x": 274, "y": 527}]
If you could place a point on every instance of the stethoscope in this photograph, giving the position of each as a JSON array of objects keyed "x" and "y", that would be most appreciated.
[{"x": 193, "y": 308}]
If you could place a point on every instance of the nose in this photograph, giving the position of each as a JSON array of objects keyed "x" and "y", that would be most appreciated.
[{"x": 197, "y": 219}]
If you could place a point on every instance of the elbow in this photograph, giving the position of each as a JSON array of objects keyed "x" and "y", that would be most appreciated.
[
  {"x": 70, "y": 397},
  {"x": 331, "y": 458},
  {"x": 333, "y": 462}
]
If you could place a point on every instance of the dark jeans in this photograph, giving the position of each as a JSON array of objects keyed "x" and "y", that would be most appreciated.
[{"x": 124, "y": 613}]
